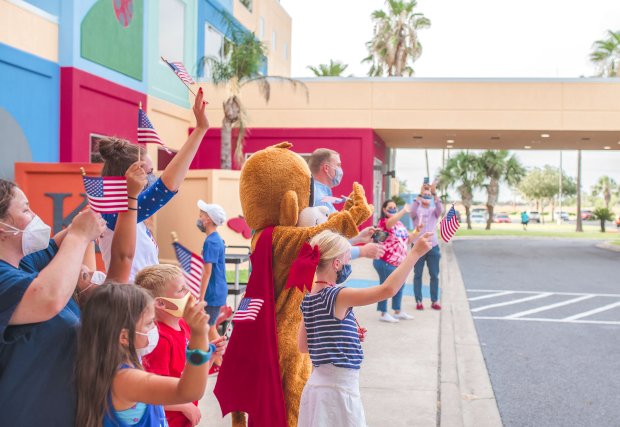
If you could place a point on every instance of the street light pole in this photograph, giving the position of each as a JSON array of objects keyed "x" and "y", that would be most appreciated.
[{"x": 560, "y": 195}]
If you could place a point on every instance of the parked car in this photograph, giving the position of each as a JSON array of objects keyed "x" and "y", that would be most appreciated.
[
  {"x": 478, "y": 218},
  {"x": 587, "y": 215},
  {"x": 534, "y": 216},
  {"x": 563, "y": 215},
  {"x": 618, "y": 222},
  {"x": 502, "y": 218}
]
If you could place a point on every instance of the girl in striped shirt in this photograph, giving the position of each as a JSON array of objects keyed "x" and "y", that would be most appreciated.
[{"x": 330, "y": 334}]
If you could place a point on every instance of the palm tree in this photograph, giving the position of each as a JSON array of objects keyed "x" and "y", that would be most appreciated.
[
  {"x": 603, "y": 214},
  {"x": 605, "y": 186},
  {"x": 606, "y": 54},
  {"x": 333, "y": 69},
  {"x": 498, "y": 166},
  {"x": 463, "y": 173},
  {"x": 243, "y": 58},
  {"x": 395, "y": 46}
]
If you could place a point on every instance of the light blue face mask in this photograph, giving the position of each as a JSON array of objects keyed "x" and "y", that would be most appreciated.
[
  {"x": 337, "y": 179},
  {"x": 343, "y": 274}
]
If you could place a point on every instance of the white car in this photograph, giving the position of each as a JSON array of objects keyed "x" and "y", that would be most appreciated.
[
  {"x": 478, "y": 218},
  {"x": 534, "y": 216}
]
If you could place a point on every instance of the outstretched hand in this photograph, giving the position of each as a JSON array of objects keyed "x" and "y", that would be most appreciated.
[
  {"x": 200, "y": 105},
  {"x": 136, "y": 179},
  {"x": 424, "y": 243}
]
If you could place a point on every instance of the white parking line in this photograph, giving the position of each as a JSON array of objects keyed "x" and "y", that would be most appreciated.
[
  {"x": 591, "y": 312},
  {"x": 493, "y": 295},
  {"x": 535, "y": 292},
  {"x": 549, "y": 307},
  {"x": 543, "y": 319},
  {"x": 502, "y": 304}
]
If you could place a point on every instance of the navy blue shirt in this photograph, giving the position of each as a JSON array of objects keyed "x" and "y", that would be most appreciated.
[
  {"x": 213, "y": 252},
  {"x": 36, "y": 360}
]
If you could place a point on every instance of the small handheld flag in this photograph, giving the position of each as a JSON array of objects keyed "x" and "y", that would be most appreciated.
[
  {"x": 146, "y": 131},
  {"x": 449, "y": 225},
  {"x": 192, "y": 267},
  {"x": 248, "y": 309},
  {"x": 106, "y": 194},
  {"x": 179, "y": 69}
]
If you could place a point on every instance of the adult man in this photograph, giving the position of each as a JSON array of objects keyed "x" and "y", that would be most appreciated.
[
  {"x": 327, "y": 172},
  {"x": 425, "y": 215}
]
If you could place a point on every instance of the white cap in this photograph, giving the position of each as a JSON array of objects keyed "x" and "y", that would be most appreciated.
[{"x": 215, "y": 212}]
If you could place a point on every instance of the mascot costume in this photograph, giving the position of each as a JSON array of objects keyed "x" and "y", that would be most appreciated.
[{"x": 263, "y": 373}]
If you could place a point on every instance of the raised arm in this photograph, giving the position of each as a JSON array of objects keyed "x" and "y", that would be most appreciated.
[
  {"x": 391, "y": 221},
  {"x": 48, "y": 294},
  {"x": 134, "y": 385},
  {"x": 349, "y": 297},
  {"x": 175, "y": 172},
  {"x": 124, "y": 239}
]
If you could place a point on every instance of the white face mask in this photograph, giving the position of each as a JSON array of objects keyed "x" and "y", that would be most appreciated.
[
  {"x": 153, "y": 338},
  {"x": 35, "y": 237}
]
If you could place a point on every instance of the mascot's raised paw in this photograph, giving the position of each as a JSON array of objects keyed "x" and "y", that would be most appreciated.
[{"x": 357, "y": 205}]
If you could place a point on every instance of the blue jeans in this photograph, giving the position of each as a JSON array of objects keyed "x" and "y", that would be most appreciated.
[
  {"x": 432, "y": 260},
  {"x": 384, "y": 270}
]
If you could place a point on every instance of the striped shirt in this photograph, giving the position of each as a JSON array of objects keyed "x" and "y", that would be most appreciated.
[{"x": 331, "y": 340}]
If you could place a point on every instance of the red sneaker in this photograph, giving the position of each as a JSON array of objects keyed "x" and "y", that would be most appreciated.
[
  {"x": 419, "y": 306},
  {"x": 435, "y": 306},
  {"x": 213, "y": 370},
  {"x": 225, "y": 313}
]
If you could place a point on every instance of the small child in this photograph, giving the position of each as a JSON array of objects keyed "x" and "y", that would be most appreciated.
[
  {"x": 165, "y": 283},
  {"x": 330, "y": 334},
  {"x": 118, "y": 330},
  {"x": 214, "y": 288}
]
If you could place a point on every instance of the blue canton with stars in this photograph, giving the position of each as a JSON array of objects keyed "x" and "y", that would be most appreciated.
[{"x": 149, "y": 201}]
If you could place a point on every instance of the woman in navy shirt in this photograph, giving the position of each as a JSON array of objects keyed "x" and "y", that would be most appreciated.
[{"x": 38, "y": 317}]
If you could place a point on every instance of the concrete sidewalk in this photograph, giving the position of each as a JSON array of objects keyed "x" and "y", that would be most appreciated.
[{"x": 428, "y": 371}]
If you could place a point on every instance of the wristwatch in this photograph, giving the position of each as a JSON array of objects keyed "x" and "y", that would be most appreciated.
[{"x": 199, "y": 357}]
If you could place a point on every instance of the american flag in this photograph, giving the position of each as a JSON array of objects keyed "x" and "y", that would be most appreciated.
[
  {"x": 248, "y": 309},
  {"x": 146, "y": 131},
  {"x": 449, "y": 225},
  {"x": 180, "y": 71},
  {"x": 192, "y": 267},
  {"x": 106, "y": 194}
]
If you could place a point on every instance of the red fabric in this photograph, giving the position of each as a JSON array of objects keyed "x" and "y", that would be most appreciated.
[
  {"x": 168, "y": 359},
  {"x": 301, "y": 274},
  {"x": 249, "y": 379}
]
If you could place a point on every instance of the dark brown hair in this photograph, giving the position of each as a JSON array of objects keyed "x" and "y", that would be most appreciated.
[
  {"x": 109, "y": 309},
  {"x": 118, "y": 154},
  {"x": 7, "y": 193},
  {"x": 318, "y": 157}
]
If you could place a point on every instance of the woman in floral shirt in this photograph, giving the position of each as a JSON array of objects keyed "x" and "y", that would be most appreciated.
[{"x": 395, "y": 251}]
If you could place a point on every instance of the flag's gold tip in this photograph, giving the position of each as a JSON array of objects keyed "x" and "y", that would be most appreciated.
[
  {"x": 83, "y": 171},
  {"x": 175, "y": 237}
]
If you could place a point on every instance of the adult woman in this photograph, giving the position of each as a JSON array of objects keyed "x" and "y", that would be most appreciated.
[
  {"x": 118, "y": 155},
  {"x": 395, "y": 247},
  {"x": 38, "y": 317}
]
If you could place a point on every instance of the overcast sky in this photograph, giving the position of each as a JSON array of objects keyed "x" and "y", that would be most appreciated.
[{"x": 475, "y": 38}]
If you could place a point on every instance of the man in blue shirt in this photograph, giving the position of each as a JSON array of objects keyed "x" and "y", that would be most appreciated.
[
  {"x": 214, "y": 288},
  {"x": 327, "y": 172}
]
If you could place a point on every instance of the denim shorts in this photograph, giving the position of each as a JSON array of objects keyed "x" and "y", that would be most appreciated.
[{"x": 213, "y": 311}]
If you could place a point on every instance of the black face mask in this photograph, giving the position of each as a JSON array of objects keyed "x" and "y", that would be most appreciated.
[{"x": 200, "y": 225}]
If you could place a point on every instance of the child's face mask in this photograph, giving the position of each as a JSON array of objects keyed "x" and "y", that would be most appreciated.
[{"x": 180, "y": 303}]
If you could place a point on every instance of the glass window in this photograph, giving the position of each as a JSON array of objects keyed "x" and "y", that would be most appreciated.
[
  {"x": 95, "y": 157},
  {"x": 261, "y": 28},
  {"x": 172, "y": 29},
  {"x": 214, "y": 46}
]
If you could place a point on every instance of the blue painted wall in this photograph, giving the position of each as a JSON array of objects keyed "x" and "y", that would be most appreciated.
[
  {"x": 50, "y": 6},
  {"x": 30, "y": 93}
]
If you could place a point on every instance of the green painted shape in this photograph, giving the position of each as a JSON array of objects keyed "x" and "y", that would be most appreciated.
[
  {"x": 106, "y": 42},
  {"x": 162, "y": 82}
]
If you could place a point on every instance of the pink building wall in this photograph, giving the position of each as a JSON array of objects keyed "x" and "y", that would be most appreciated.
[{"x": 357, "y": 147}]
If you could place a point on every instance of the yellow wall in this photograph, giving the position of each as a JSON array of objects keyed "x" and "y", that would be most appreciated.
[
  {"x": 28, "y": 31},
  {"x": 276, "y": 19},
  {"x": 180, "y": 214},
  {"x": 577, "y": 104},
  {"x": 170, "y": 121}
]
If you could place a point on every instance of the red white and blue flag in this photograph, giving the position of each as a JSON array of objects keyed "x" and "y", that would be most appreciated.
[
  {"x": 107, "y": 194},
  {"x": 146, "y": 131},
  {"x": 449, "y": 225},
  {"x": 192, "y": 267},
  {"x": 181, "y": 72},
  {"x": 248, "y": 309}
]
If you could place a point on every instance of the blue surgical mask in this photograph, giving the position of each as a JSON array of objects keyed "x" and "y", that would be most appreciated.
[
  {"x": 150, "y": 179},
  {"x": 344, "y": 273},
  {"x": 427, "y": 197},
  {"x": 337, "y": 179},
  {"x": 200, "y": 225},
  {"x": 392, "y": 211}
]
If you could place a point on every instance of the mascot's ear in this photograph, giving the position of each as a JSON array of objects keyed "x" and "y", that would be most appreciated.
[
  {"x": 289, "y": 209},
  {"x": 284, "y": 145}
]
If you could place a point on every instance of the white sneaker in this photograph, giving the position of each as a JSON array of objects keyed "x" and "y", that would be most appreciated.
[
  {"x": 387, "y": 317},
  {"x": 403, "y": 316}
]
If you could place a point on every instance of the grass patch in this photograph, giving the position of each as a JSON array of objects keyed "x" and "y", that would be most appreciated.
[
  {"x": 590, "y": 231},
  {"x": 243, "y": 276}
]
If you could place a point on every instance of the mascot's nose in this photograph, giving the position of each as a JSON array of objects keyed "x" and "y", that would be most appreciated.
[{"x": 311, "y": 201}]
